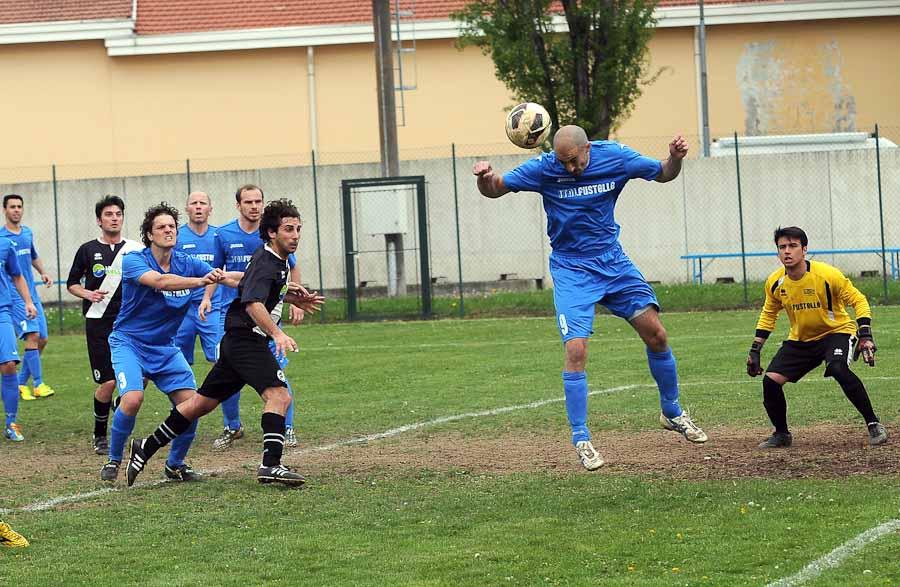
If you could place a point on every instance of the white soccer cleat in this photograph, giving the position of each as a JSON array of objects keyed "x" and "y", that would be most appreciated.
[
  {"x": 685, "y": 426},
  {"x": 590, "y": 458}
]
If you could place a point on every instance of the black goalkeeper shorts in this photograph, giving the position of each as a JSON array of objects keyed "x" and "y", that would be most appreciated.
[{"x": 795, "y": 358}]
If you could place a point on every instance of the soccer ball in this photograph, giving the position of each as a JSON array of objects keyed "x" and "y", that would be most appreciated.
[{"x": 527, "y": 125}]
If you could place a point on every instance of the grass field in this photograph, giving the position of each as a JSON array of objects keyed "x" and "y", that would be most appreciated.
[
  {"x": 677, "y": 297},
  {"x": 437, "y": 453}
]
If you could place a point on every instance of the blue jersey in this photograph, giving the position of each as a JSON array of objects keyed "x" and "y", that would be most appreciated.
[
  {"x": 149, "y": 316},
  {"x": 9, "y": 267},
  {"x": 580, "y": 219},
  {"x": 201, "y": 247},
  {"x": 233, "y": 250},
  {"x": 25, "y": 251}
]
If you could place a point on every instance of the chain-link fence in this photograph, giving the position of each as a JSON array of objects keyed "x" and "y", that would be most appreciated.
[{"x": 712, "y": 224}]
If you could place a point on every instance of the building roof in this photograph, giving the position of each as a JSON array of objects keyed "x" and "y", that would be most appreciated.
[
  {"x": 156, "y": 17},
  {"x": 30, "y": 11},
  {"x": 182, "y": 16}
]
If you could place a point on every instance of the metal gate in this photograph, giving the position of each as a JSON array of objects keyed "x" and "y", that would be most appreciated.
[{"x": 384, "y": 220}]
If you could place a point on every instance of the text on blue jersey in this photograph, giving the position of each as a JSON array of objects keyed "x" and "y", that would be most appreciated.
[{"x": 580, "y": 209}]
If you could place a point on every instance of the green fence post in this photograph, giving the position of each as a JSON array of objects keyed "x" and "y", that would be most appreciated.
[
  {"x": 737, "y": 163},
  {"x": 318, "y": 232},
  {"x": 881, "y": 213},
  {"x": 59, "y": 307},
  {"x": 462, "y": 310}
]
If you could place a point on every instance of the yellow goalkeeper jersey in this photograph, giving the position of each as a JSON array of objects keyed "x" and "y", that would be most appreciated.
[{"x": 816, "y": 304}]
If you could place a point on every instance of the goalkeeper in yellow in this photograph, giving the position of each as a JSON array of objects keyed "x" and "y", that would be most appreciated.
[{"x": 815, "y": 297}]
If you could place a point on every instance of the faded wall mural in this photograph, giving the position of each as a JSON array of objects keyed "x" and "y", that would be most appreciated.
[{"x": 787, "y": 88}]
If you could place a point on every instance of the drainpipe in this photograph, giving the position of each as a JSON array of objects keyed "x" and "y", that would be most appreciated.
[{"x": 311, "y": 84}]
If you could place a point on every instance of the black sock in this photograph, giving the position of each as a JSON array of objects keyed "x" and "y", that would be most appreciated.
[
  {"x": 775, "y": 404},
  {"x": 856, "y": 392},
  {"x": 174, "y": 425},
  {"x": 273, "y": 438},
  {"x": 101, "y": 417}
]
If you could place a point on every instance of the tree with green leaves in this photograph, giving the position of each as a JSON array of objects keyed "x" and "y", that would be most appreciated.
[{"x": 585, "y": 65}]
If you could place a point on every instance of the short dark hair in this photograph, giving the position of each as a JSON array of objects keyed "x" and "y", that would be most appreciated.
[
  {"x": 9, "y": 197},
  {"x": 246, "y": 188},
  {"x": 272, "y": 216},
  {"x": 107, "y": 201},
  {"x": 151, "y": 214},
  {"x": 794, "y": 232}
]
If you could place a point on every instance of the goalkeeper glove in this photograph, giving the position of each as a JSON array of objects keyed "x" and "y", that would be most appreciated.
[
  {"x": 753, "y": 366},
  {"x": 863, "y": 334}
]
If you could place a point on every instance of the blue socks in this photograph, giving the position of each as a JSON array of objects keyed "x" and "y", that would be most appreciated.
[
  {"x": 576, "y": 388},
  {"x": 9, "y": 389},
  {"x": 289, "y": 414},
  {"x": 24, "y": 370},
  {"x": 122, "y": 427},
  {"x": 231, "y": 411},
  {"x": 31, "y": 367},
  {"x": 662, "y": 367}
]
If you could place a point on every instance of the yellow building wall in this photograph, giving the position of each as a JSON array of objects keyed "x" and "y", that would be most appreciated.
[
  {"x": 203, "y": 105},
  {"x": 72, "y": 104},
  {"x": 56, "y": 104}
]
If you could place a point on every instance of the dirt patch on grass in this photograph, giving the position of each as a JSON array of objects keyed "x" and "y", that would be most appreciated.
[{"x": 823, "y": 451}]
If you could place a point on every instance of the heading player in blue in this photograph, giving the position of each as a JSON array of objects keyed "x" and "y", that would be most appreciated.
[
  {"x": 11, "y": 276},
  {"x": 33, "y": 330},
  {"x": 580, "y": 182},
  {"x": 244, "y": 355},
  {"x": 236, "y": 241},
  {"x": 156, "y": 293},
  {"x": 197, "y": 240}
]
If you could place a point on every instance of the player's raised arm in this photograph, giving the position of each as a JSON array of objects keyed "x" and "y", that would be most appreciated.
[
  {"x": 490, "y": 184},
  {"x": 671, "y": 167}
]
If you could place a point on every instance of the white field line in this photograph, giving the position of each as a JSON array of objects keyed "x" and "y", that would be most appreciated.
[
  {"x": 598, "y": 339},
  {"x": 77, "y": 497},
  {"x": 837, "y": 556}
]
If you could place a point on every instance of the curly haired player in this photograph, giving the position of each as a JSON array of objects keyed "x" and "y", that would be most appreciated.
[
  {"x": 814, "y": 296},
  {"x": 244, "y": 355},
  {"x": 156, "y": 294}
]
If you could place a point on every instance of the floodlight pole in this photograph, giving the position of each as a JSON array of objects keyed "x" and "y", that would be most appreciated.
[
  {"x": 387, "y": 106},
  {"x": 387, "y": 126},
  {"x": 704, "y": 96}
]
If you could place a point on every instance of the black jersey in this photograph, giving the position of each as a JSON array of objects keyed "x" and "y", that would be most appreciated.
[
  {"x": 264, "y": 281},
  {"x": 100, "y": 265}
]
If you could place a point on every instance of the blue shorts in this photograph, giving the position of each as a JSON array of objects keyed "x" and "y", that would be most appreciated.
[
  {"x": 283, "y": 360},
  {"x": 209, "y": 330},
  {"x": 164, "y": 365},
  {"x": 9, "y": 346},
  {"x": 23, "y": 324},
  {"x": 610, "y": 279}
]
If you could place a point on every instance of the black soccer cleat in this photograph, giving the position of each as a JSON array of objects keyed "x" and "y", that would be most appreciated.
[
  {"x": 182, "y": 472},
  {"x": 279, "y": 474},
  {"x": 100, "y": 445},
  {"x": 136, "y": 462},
  {"x": 777, "y": 440},
  {"x": 877, "y": 433},
  {"x": 109, "y": 471}
]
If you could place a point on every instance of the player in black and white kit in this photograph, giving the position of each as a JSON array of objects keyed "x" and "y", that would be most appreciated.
[
  {"x": 99, "y": 263},
  {"x": 244, "y": 355}
]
